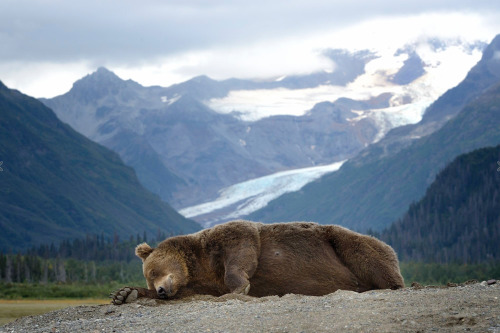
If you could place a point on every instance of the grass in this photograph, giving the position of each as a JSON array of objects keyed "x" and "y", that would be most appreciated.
[
  {"x": 15, "y": 291},
  {"x": 441, "y": 274},
  {"x": 10, "y": 310}
]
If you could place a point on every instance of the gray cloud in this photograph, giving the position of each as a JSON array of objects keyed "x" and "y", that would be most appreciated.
[{"x": 129, "y": 31}]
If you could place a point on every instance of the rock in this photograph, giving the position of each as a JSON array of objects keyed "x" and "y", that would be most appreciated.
[
  {"x": 109, "y": 311},
  {"x": 490, "y": 282},
  {"x": 416, "y": 285},
  {"x": 473, "y": 281}
]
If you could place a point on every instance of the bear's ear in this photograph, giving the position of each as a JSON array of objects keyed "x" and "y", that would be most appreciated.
[{"x": 143, "y": 251}]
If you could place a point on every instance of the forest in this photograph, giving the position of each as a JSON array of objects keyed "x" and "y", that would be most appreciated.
[
  {"x": 458, "y": 219},
  {"x": 89, "y": 267}
]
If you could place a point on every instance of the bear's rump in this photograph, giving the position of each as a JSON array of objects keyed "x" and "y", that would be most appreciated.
[{"x": 303, "y": 265}]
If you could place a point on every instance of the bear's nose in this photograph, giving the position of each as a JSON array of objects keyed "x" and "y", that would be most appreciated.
[{"x": 162, "y": 292}]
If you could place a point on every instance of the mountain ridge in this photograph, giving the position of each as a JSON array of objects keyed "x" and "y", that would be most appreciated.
[{"x": 58, "y": 184}]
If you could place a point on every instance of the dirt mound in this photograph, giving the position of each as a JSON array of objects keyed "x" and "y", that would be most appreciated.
[{"x": 473, "y": 307}]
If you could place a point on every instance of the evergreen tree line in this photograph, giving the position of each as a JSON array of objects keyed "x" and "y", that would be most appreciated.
[
  {"x": 458, "y": 220},
  {"x": 94, "y": 259},
  {"x": 34, "y": 269},
  {"x": 97, "y": 248}
]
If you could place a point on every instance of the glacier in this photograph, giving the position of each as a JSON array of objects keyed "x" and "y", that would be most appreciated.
[{"x": 246, "y": 197}]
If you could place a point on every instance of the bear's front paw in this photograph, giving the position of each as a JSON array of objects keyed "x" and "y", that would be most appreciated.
[{"x": 124, "y": 295}]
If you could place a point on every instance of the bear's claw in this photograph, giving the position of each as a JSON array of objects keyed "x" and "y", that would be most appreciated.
[
  {"x": 124, "y": 295},
  {"x": 243, "y": 290}
]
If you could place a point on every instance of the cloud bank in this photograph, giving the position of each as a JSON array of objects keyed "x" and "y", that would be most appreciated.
[{"x": 48, "y": 44}]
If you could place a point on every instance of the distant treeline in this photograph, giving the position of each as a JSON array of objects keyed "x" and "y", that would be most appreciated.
[
  {"x": 97, "y": 248},
  {"x": 94, "y": 259},
  {"x": 33, "y": 269}
]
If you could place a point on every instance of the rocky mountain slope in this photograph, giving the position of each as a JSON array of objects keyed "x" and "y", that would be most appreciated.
[
  {"x": 375, "y": 188},
  {"x": 57, "y": 184}
]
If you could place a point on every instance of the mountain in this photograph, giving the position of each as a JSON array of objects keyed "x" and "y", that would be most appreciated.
[
  {"x": 190, "y": 141},
  {"x": 104, "y": 108},
  {"x": 376, "y": 187},
  {"x": 57, "y": 184},
  {"x": 186, "y": 152},
  {"x": 458, "y": 219}
]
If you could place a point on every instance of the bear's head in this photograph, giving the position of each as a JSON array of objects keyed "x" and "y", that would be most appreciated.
[{"x": 164, "y": 268}]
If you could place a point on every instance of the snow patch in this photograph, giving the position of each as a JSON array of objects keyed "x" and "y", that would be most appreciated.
[{"x": 170, "y": 101}]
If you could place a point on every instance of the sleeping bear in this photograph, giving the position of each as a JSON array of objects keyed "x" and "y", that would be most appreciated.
[{"x": 259, "y": 259}]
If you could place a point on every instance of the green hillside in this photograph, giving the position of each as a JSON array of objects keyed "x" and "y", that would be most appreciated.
[
  {"x": 56, "y": 184},
  {"x": 458, "y": 220}
]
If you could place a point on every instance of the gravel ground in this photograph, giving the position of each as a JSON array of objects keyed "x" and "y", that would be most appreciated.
[{"x": 473, "y": 307}]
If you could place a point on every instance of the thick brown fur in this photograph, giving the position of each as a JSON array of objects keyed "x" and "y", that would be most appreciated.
[{"x": 268, "y": 259}]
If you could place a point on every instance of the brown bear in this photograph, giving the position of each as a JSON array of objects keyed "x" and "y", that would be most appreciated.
[{"x": 265, "y": 259}]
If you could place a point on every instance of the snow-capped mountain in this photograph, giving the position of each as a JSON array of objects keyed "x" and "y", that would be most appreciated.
[
  {"x": 374, "y": 188},
  {"x": 189, "y": 141},
  {"x": 415, "y": 76}
]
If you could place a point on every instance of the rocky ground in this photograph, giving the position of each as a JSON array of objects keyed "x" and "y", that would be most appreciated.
[{"x": 473, "y": 307}]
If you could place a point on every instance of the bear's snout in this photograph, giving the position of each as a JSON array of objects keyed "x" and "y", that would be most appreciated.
[
  {"x": 162, "y": 292},
  {"x": 166, "y": 289}
]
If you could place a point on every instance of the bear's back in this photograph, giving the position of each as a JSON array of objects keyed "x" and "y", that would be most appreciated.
[{"x": 295, "y": 257}]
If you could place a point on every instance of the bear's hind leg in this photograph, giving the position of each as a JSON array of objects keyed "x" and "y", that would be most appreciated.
[{"x": 373, "y": 262}]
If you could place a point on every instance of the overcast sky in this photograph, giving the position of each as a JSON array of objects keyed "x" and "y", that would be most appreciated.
[{"x": 46, "y": 45}]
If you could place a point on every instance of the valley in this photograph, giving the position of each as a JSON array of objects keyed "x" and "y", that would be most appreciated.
[{"x": 192, "y": 141}]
